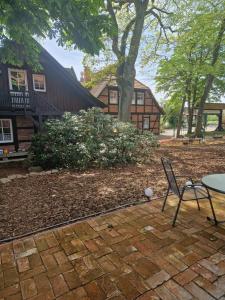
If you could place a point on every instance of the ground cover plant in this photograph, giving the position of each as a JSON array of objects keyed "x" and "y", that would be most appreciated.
[
  {"x": 90, "y": 139},
  {"x": 49, "y": 199}
]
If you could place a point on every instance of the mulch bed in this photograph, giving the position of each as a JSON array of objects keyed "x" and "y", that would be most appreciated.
[{"x": 32, "y": 203}]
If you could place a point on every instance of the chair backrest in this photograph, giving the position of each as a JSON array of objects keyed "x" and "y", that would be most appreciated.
[{"x": 170, "y": 176}]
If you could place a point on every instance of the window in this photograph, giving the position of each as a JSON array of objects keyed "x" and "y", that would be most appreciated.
[
  {"x": 39, "y": 84},
  {"x": 133, "y": 98},
  {"x": 17, "y": 80},
  {"x": 146, "y": 123},
  {"x": 140, "y": 98},
  {"x": 6, "y": 135},
  {"x": 113, "y": 97}
]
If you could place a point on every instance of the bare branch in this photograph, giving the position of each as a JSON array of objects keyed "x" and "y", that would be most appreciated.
[
  {"x": 162, "y": 10},
  {"x": 150, "y": 11},
  {"x": 163, "y": 27},
  {"x": 158, "y": 39}
]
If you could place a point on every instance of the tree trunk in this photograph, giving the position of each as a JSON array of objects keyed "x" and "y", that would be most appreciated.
[
  {"x": 126, "y": 66},
  {"x": 125, "y": 83},
  {"x": 209, "y": 79},
  {"x": 208, "y": 86},
  {"x": 179, "y": 123},
  {"x": 190, "y": 115},
  {"x": 190, "y": 121}
]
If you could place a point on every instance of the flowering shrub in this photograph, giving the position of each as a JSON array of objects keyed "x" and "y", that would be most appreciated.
[{"x": 89, "y": 139}]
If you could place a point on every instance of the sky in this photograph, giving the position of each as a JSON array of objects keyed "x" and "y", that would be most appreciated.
[{"x": 68, "y": 58}]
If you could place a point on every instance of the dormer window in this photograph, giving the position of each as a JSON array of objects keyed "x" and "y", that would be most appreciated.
[
  {"x": 113, "y": 97},
  {"x": 140, "y": 98},
  {"x": 39, "y": 83},
  {"x": 18, "y": 80}
]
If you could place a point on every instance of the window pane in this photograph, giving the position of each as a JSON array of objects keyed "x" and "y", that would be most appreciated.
[
  {"x": 39, "y": 82},
  {"x": 146, "y": 123},
  {"x": 18, "y": 80},
  {"x": 6, "y": 134},
  {"x": 133, "y": 98},
  {"x": 140, "y": 98},
  {"x": 6, "y": 130},
  {"x": 7, "y": 137},
  {"x": 113, "y": 97}
]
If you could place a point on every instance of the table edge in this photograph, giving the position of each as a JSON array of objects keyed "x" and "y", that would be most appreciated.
[{"x": 211, "y": 188}]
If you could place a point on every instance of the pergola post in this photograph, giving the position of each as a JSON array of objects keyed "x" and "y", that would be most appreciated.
[{"x": 220, "y": 121}]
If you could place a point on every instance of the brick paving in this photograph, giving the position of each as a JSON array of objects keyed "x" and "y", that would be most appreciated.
[{"x": 133, "y": 253}]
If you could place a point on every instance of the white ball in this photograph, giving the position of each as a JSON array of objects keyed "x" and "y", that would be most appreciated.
[{"x": 148, "y": 192}]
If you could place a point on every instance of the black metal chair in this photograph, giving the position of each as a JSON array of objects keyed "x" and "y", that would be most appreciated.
[{"x": 187, "y": 192}]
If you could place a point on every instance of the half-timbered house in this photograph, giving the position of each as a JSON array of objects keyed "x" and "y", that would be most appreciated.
[{"x": 145, "y": 110}]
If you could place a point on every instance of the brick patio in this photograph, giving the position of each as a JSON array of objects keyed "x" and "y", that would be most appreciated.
[{"x": 133, "y": 253}]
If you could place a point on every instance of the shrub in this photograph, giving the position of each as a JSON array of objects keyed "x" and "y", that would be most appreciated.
[{"x": 89, "y": 139}]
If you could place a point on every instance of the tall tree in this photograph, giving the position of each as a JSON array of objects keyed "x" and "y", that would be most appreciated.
[
  {"x": 172, "y": 108},
  {"x": 216, "y": 50},
  {"x": 187, "y": 70},
  {"x": 130, "y": 18}
]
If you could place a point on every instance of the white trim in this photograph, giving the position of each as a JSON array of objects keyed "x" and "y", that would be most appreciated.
[
  {"x": 39, "y": 90},
  {"x": 17, "y": 70},
  {"x": 144, "y": 125},
  {"x": 11, "y": 131}
]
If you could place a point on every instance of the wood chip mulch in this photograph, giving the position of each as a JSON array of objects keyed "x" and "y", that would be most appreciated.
[{"x": 32, "y": 203}]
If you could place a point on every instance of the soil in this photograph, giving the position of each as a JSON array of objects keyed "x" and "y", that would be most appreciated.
[
  {"x": 32, "y": 203},
  {"x": 12, "y": 168}
]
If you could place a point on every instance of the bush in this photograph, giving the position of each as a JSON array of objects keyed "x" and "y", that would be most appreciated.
[{"x": 89, "y": 139}]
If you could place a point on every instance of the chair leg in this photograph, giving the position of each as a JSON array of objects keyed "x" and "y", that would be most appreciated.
[
  {"x": 197, "y": 199},
  {"x": 164, "y": 202},
  {"x": 213, "y": 211},
  {"x": 178, "y": 208},
  {"x": 198, "y": 204}
]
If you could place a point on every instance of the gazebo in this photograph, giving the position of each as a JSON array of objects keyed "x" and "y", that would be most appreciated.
[{"x": 216, "y": 109}]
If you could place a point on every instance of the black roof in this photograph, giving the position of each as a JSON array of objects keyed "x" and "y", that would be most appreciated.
[{"x": 78, "y": 88}]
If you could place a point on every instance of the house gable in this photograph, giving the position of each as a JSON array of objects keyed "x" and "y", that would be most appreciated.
[{"x": 146, "y": 115}]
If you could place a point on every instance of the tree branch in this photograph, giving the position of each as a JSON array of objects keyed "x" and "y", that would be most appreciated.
[
  {"x": 141, "y": 9},
  {"x": 125, "y": 36},
  {"x": 115, "y": 36},
  {"x": 126, "y": 33},
  {"x": 162, "y": 10}
]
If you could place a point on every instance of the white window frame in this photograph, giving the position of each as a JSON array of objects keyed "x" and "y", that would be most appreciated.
[
  {"x": 11, "y": 131},
  {"x": 39, "y": 90},
  {"x": 146, "y": 118},
  {"x": 142, "y": 93},
  {"x": 10, "y": 79},
  {"x": 117, "y": 98}
]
